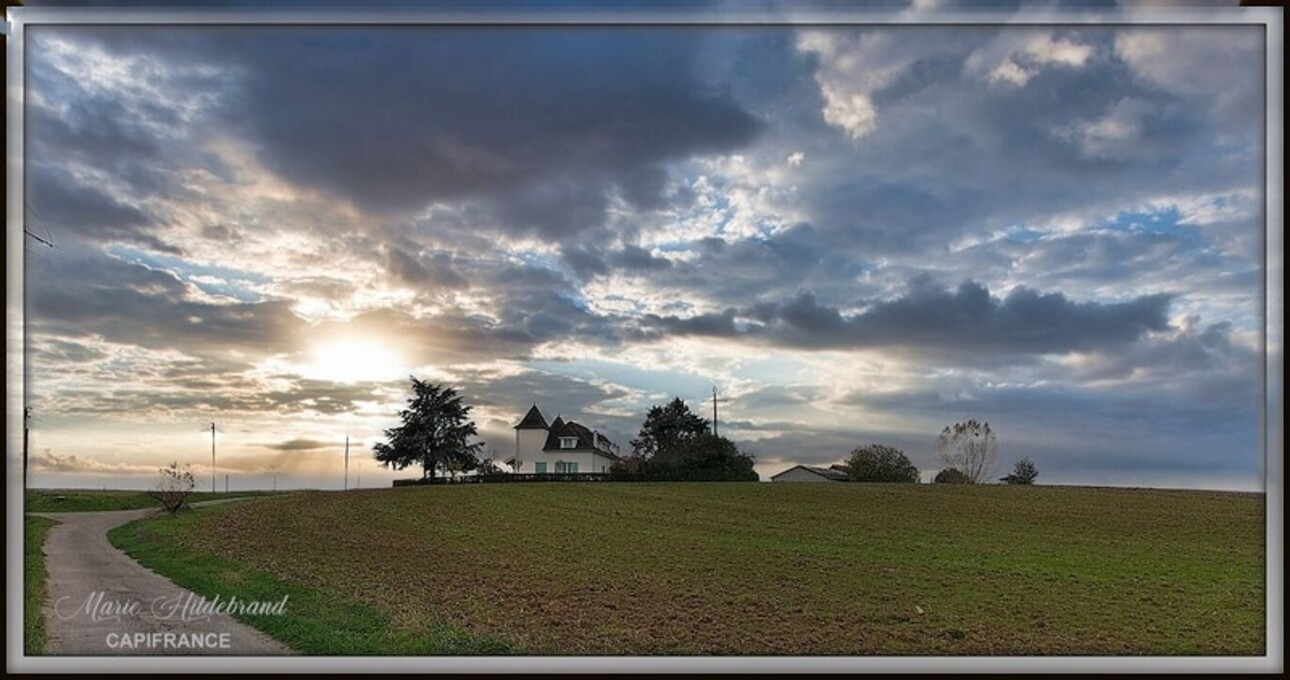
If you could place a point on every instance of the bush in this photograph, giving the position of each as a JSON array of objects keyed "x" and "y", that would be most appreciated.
[
  {"x": 174, "y": 488},
  {"x": 705, "y": 458},
  {"x": 1024, "y": 472},
  {"x": 878, "y": 463},
  {"x": 951, "y": 476}
]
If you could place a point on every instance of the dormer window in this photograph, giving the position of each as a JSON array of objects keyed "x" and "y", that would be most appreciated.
[{"x": 568, "y": 442}]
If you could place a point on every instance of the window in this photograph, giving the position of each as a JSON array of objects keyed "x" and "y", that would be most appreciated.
[
  {"x": 568, "y": 442},
  {"x": 539, "y": 468},
  {"x": 571, "y": 467}
]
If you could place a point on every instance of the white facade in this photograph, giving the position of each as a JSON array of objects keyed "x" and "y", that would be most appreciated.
[
  {"x": 569, "y": 449},
  {"x": 537, "y": 461}
]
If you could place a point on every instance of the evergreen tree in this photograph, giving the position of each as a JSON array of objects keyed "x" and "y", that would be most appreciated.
[{"x": 435, "y": 433}]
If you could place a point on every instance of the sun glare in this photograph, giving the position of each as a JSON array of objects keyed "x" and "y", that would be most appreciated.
[{"x": 354, "y": 360}]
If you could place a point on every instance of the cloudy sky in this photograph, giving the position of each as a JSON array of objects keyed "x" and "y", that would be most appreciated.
[{"x": 858, "y": 234}]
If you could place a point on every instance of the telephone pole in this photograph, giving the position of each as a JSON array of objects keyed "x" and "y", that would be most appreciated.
[
  {"x": 212, "y": 457},
  {"x": 714, "y": 409},
  {"x": 26, "y": 436}
]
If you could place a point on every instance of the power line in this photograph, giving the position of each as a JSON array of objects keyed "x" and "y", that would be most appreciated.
[{"x": 28, "y": 232}]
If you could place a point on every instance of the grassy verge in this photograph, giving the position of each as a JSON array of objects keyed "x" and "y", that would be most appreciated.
[
  {"x": 33, "y": 633},
  {"x": 89, "y": 500},
  {"x": 315, "y": 621}
]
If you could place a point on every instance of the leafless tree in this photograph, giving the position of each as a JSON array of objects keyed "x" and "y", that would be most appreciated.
[
  {"x": 174, "y": 488},
  {"x": 970, "y": 448}
]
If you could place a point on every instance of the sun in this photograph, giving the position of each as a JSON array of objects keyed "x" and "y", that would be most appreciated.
[{"x": 353, "y": 359}]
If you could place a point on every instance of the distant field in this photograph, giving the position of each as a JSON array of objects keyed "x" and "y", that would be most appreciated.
[
  {"x": 735, "y": 568},
  {"x": 90, "y": 500}
]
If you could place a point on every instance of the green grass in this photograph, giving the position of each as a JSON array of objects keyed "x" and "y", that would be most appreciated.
[
  {"x": 316, "y": 621},
  {"x": 89, "y": 500},
  {"x": 34, "y": 530},
  {"x": 697, "y": 568}
]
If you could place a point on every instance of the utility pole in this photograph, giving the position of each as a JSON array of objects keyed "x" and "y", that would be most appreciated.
[
  {"x": 26, "y": 436},
  {"x": 212, "y": 457},
  {"x": 225, "y": 482},
  {"x": 714, "y": 409},
  {"x": 346, "y": 462}
]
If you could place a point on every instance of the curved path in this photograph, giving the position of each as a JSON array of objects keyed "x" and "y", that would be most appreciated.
[{"x": 102, "y": 602}]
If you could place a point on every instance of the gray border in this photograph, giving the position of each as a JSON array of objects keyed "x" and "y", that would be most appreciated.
[{"x": 1273, "y": 435}]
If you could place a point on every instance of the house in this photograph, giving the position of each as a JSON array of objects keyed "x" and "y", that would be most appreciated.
[
  {"x": 564, "y": 446},
  {"x": 806, "y": 473}
]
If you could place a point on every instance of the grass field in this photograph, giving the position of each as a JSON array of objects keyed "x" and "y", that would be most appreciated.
[
  {"x": 90, "y": 500},
  {"x": 33, "y": 561},
  {"x": 735, "y": 568}
]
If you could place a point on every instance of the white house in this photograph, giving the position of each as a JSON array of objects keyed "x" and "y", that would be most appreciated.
[
  {"x": 564, "y": 446},
  {"x": 806, "y": 473}
]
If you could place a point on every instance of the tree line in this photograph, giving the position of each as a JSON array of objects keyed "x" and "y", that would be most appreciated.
[
  {"x": 674, "y": 444},
  {"x": 968, "y": 449}
]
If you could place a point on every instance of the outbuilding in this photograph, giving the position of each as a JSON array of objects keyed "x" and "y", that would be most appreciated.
[{"x": 807, "y": 473}]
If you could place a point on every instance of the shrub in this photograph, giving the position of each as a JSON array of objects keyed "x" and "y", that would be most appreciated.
[
  {"x": 951, "y": 476},
  {"x": 174, "y": 488},
  {"x": 1024, "y": 472},
  {"x": 878, "y": 463}
]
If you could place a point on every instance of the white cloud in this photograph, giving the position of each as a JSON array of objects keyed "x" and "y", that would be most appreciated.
[
  {"x": 852, "y": 67},
  {"x": 1016, "y": 56}
]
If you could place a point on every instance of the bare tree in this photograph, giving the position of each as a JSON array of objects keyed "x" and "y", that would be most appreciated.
[
  {"x": 970, "y": 448},
  {"x": 174, "y": 488}
]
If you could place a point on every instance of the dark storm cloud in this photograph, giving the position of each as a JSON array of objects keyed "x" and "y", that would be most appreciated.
[
  {"x": 228, "y": 395},
  {"x": 84, "y": 294},
  {"x": 541, "y": 125},
  {"x": 60, "y": 202},
  {"x": 928, "y": 317},
  {"x": 408, "y": 265}
]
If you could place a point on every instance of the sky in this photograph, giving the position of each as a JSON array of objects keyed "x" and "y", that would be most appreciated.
[{"x": 858, "y": 234}]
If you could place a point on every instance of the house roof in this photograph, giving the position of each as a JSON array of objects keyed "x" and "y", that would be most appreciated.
[
  {"x": 829, "y": 473},
  {"x": 533, "y": 420},
  {"x": 587, "y": 440}
]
